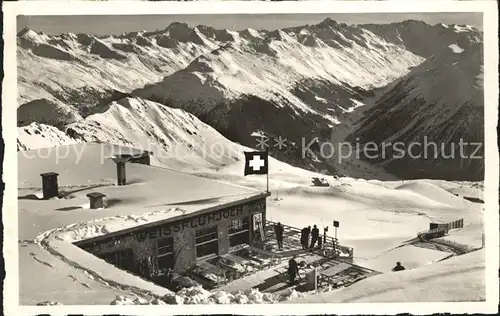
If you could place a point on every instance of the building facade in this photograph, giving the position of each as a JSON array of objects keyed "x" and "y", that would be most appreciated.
[{"x": 179, "y": 243}]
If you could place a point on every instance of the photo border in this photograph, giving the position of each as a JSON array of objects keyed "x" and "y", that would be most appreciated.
[{"x": 491, "y": 183}]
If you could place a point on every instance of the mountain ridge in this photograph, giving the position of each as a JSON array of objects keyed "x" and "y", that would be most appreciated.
[
  {"x": 446, "y": 108},
  {"x": 416, "y": 35},
  {"x": 314, "y": 79}
]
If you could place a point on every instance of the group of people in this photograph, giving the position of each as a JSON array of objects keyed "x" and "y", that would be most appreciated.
[
  {"x": 314, "y": 233},
  {"x": 304, "y": 236},
  {"x": 293, "y": 267}
]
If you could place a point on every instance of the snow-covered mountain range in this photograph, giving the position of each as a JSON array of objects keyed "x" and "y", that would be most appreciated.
[
  {"x": 423, "y": 39},
  {"x": 439, "y": 102},
  {"x": 298, "y": 83}
]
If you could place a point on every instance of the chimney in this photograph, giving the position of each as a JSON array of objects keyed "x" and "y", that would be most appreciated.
[
  {"x": 142, "y": 158},
  {"x": 146, "y": 157},
  {"x": 120, "y": 172},
  {"x": 49, "y": 185},
  {"x": 120, "y": 161},
  {"x": 96, "y": 200}
]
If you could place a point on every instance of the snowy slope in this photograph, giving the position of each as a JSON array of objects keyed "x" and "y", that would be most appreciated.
[
  {"x": 36, "y": 136},
  {"x": 47, "y": 111},
  {"x": 177, "y": 138},
  {"x": 421, "y": 38},
  {"x": 83, "y": 71},
  {"x": 439, "y": 101},
  {"x": 454, "y": 280},
  {"x": 171, "y": 134}
]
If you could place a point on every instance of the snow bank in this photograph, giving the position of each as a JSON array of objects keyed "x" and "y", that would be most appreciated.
[
  {"x": 198, "y": 295},
  {"x": 105, "y": 225},
  {"x": 432, "y": 191},
  {"x": 358, "y": 205},
  {"x": 123, "y": 300}
]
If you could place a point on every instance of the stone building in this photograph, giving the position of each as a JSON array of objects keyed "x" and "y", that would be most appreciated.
[
  {"x": 194, "y": 218},
  {"x": 179, "y": 242}
]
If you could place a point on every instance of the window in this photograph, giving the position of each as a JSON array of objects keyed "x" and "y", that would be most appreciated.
[
  {"x": 165, "y": 251},
  {"x": 122, "y": 259},
  {"x": 239, "y": 225},
  {"x": 239, "y": 232},
  {"x": 257, "y": 221},
  {"x": 206, "y": 241}
]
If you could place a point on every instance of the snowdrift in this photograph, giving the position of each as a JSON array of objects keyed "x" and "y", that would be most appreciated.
[
  {"x": 197, "y": 295},
  {"x": 431, "y": 191}
]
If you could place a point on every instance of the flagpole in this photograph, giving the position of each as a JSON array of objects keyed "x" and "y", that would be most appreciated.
[
  {"x": 267, "y": 173},
  {"x": 267, "y": 181}
]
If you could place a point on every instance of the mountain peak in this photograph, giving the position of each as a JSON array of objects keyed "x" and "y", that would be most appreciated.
[
  {"x": 250, "y": 33},
  {"x": 414, "y": 22},
  {"x": 221, "y": 35},
  {"x": 24, "y": 31},
  {"x": 178, "y": 26},
  {"x": 179, "y": 32},
  {"x": 328, "y": 22}
]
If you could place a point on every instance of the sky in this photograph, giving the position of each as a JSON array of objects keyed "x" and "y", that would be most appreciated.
[{"x": 117, "y": 24}]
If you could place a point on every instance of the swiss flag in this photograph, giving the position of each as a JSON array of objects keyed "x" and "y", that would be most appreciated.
[{"x": 256, "y": 162}]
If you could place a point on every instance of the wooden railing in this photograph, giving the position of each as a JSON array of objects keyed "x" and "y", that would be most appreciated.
[
  {"x": 330, "y": 243},
  {"x": 459, "y": 223},
  {"x": 440, "y": 230}
]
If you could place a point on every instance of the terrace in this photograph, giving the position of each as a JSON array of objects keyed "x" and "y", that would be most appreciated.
[{"x": 264, "y": 267}]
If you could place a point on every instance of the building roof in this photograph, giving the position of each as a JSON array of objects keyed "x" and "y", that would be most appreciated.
[
  {"x": 46, "y": 174},
  {"x": 84, "y": 167},
  {"x": 95, "y": 195},
  {"x": 169, "y": 219}
]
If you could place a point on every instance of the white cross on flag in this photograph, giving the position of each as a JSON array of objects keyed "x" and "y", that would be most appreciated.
[{"x": 256, "y": 162}]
